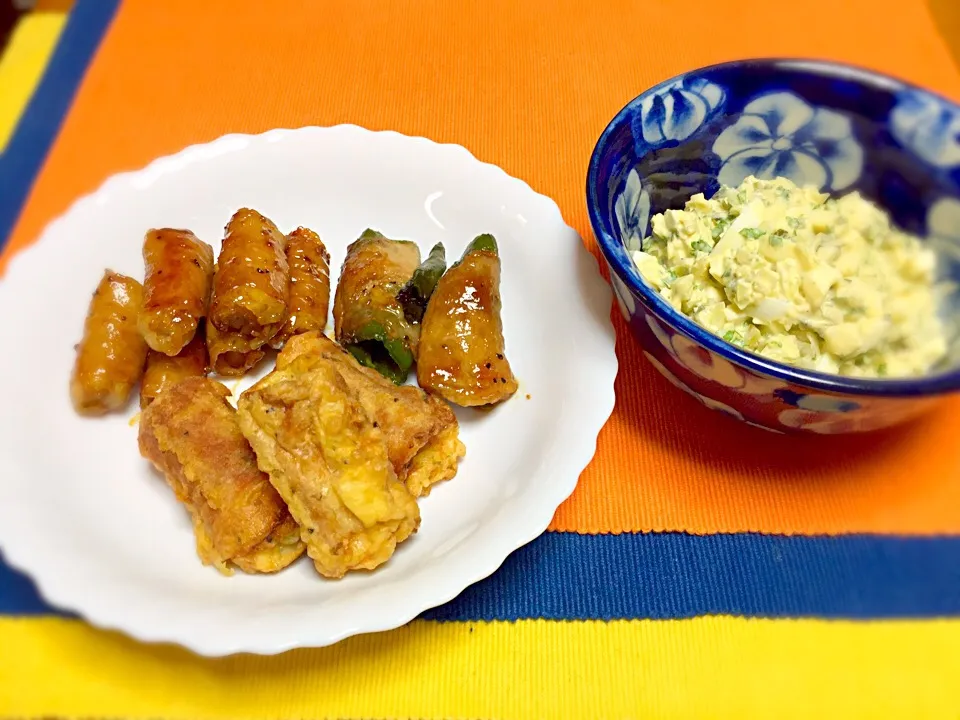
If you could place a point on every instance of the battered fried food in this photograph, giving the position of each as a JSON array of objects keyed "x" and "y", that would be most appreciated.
[
  {"x": 368, "y": 319},
  {"x": 436, "y": 462},
  {"x": 279, "y": 549},
  {"x": 250, "y": 288},
  {"x": 191, "y": 435},
  {"x": 176, "y": 289},
  {"x": 309, "y": 300},
  {"x": 111, "y": 354},
  {"x": 462, "y": 357},
  {"x": 163, "y": 371},
  {"x": 421, "y": 431},
  {"x": 329, "y": 462}
]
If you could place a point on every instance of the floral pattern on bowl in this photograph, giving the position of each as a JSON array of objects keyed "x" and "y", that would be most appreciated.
[
  {"x": 676, "y": 111},
  {"x": 773, "y": 405},
  {"x": 927, "y": 126},
  {"x": 857, "y": 421},
  {"x": 633, "y": 211},
  {"x": 780, "y": 135},
  {"x": 840, "y": 128},
  {"x": 710, "y": 366},
  {"x": 678, "y": 383},
  {"x": 817, "y": 403},
  {"x": 943, "y": 226}
]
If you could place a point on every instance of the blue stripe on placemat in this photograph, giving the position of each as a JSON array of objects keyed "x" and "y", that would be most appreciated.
[
  {"x": 41, "y": 119},
  {"x": 567, "y": 576}
]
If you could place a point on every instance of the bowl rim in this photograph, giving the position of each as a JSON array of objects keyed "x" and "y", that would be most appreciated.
[{"x": 625, "y": 270}]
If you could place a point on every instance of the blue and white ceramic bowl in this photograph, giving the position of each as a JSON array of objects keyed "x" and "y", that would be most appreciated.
[{"x": 835, "y": 126}]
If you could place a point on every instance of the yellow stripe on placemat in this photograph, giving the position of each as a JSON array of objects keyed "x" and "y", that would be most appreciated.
[
  {"x": 706, "y": 667},
  {"x": 22, "y": 64}
]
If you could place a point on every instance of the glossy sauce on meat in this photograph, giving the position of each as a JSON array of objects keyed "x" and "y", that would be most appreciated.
[
  {"x": 369, "y": 320},
  {"x": 309, "y": 299},
  {"x": 229, "y": 353},
  {"x": 462, "y": 356},
  {"x": 252, "y": 281},
  {"x": 163, "y": 371},
  {"x": 110, "y": 357},
  {"x": 250, "y": 291},
  {"x": 179, "y": 273}
]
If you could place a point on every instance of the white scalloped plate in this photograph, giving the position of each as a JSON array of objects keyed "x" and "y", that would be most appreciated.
[{"x": 102, "y": 535}]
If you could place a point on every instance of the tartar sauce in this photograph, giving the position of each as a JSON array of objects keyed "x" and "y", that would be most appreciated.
[{"x": 796, "y": 276}]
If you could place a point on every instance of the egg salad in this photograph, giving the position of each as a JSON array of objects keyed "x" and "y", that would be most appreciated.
[{"x": 798, "y": 277}]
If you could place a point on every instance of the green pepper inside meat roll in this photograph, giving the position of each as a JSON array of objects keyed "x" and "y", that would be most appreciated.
[
  {"x": 369, "y": 320},
  {"x": 415, "y": 294}
]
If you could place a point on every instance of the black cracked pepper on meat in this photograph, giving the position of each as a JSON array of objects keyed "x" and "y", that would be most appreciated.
[
  {"x": 309, "y": 299},
  {"x": 461, "y": 354}
]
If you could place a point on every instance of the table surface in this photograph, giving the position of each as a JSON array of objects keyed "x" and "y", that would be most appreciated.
[
  {"x": 686, "y": 577},
  {"x": 23, "y": 59}
]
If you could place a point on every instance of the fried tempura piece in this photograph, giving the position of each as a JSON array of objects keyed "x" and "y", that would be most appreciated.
[
  {"x": 111, "y": 354},
  {"x": 275, "y": 552},
  {"x": 228, "y": 353},
  {"x": 191, "y": 435},
  {"x": 421, "y": 431},
  {"x": 250, "y": 287},
  {"x": 329, "y": 462},
  {"x": 176, "y": 289},
  {"x": 309, "y": 300},
  {"x": 462, "y": 357},
  {"x": 280, "y": 548},
  {"x": 436, "y": 462},
  {"x": 163, "y": 371}
]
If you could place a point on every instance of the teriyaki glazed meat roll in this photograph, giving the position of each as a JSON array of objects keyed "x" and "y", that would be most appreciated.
[
  {"x": 369, "y": 319},
  {"x": 250, "y": 293}
]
